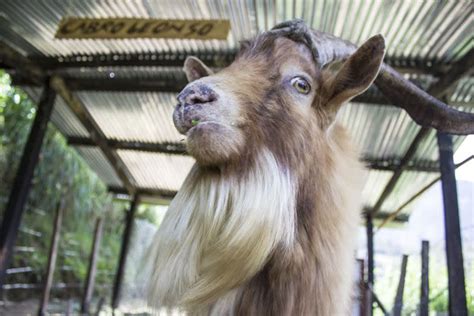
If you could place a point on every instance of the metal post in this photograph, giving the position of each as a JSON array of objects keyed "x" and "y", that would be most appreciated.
[
  {"x": 53, "y": 251},
  {"x": 370, "y": 259},
  {"x": 123, "y": 251},
  {"x": 456, "y": 283},
  {"x": 22, "y": 183},
  {"x": 398, "y": 304},
  {"x": 89, "y": 288},
  {"x": 425, "y": 288}
]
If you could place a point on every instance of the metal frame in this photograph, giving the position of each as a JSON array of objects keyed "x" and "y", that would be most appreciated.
[
  {"x": 212, "y": 59},
  {"x": 452, "y": 227},
  {"x": 389, "y": 164},
  {"x": 370, "y": 259},
  {"x": 22, "y": 183},
  {"x": 163, "y": 84}
]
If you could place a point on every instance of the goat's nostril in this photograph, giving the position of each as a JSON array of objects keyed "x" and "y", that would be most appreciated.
[
  {"x": 197, "y": 95},
  {"x": 197, "y": 99}
]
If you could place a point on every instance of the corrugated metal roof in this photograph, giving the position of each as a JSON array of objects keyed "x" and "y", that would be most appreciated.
[
  {"x": 97, "y": 161},
  {"x": 409, "y": 183},
  {"x": 131, "y": 116},
  {"x": 414, "y": 29},
  {"x": 157, "y": 171},
  {"x": 430, "y": 31},
  {"x": 374, "y": 185}
]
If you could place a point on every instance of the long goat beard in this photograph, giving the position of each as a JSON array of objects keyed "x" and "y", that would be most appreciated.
[{"x": 219, "y": 231}]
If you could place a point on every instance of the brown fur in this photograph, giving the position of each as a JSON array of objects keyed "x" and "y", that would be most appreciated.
[
  {"x": 313, "y": 278},
  {"x": 312, "y": 275}
]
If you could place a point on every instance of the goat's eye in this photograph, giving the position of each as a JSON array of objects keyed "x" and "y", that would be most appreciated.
[{"x": 301, "y": 85}]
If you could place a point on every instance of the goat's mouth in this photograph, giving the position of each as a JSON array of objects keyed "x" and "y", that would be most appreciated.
[
  {"x": 204, "y": 125},
  {"x": 187, "y": 122}
]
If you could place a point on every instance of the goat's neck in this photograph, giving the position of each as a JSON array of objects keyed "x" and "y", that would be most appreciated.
[{"x": 314, "y": 277}]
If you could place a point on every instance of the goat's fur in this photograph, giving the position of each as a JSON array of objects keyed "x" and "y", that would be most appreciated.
[{"x": 265, "y": 223}]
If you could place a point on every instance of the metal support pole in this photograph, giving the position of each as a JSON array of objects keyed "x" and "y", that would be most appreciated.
[
  {"x": 22, "y": 183},
  {"x": 89, "y": 288},
  {"x": 425, "y": 288},
  {"x": 456, "y": 280},
  {"x": 123, "y": 251},
  {"x": 398, "y": 304},
  {"x": 370, "y": 259},
  {"x": 53, "y": 252}
]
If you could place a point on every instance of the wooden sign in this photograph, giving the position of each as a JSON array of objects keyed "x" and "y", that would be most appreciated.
[{"x": 117, "y": 28}]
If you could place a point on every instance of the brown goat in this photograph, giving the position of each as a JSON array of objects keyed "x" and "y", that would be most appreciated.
[{"x": 265, "y": 223}]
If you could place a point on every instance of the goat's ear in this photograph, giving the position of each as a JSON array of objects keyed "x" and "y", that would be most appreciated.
[
  {"x": 195, "y": 68},
  {"x": 356, "y": 74}
]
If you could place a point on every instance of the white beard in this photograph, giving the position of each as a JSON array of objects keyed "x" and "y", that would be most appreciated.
[{"x": 219, "y": 231}]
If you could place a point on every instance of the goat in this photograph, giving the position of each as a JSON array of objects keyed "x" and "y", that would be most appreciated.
[{"x": 265, "y": 222}]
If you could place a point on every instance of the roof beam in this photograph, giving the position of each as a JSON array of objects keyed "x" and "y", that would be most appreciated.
[
  {"x": 143, "y": 192},
  {"x": 464, "y": 67},
  {"x": 164, "y": 148},
  {"x": 163, "y": 85},
  {"x": 96, "y": 134},
  {"x": 129, "y": 85},
  {"x": 10, "y": 57},
  {"x": 211, "y": 58},
  {"x": 457, "y": 71},
  {"x": 169, "y": 195},
  {"x": 390, "y": 164}
]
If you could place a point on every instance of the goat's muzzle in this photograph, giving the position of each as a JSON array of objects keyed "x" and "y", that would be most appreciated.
[{"x": 192, "y": 101}]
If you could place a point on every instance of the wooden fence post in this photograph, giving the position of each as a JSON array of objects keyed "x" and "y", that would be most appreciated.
[
  {"x": 425, "y": 288},
  {"x": 362, "y": 297},
  {"x": 91, "y": 273},
  {"x": 398, "y": 304},
  {"x": 53, "y": 251},
  {"x": 127, "y": 234}
]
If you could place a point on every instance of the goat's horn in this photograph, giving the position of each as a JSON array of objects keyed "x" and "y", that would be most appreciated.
[{"x": 423, "y": 108}]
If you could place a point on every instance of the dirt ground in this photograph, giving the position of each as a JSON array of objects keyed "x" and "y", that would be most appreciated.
[
  {"x": 25, "y": 308},
  {"x": 30, "y": 307},
  {"x": 57, "y": 307}
]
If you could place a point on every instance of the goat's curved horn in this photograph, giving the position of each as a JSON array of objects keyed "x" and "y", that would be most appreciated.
[{"x": 423, "y": 108}]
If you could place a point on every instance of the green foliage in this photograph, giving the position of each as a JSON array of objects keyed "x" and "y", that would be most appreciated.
[{"x": 60, "y": 174}]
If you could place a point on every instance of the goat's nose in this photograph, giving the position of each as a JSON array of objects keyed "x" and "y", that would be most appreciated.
[{"x": 196, "y": 94}]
